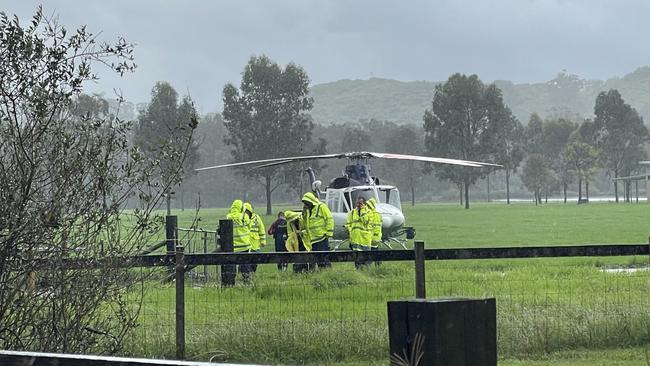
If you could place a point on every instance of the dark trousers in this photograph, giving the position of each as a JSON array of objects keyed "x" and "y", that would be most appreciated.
[
  {"x": 376, "y": 262},
  {"x": 301, "y": 267},
  {"x": 246, "y": 270},
  {"x": 254, "y": 266},
  {"x": 322, "y": 246},
  {"x": 280, "y": 247},
  {"x": 358, "y": 264}
]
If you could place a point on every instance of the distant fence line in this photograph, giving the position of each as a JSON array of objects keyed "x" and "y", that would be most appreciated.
[{"x": 162, "y": 260}]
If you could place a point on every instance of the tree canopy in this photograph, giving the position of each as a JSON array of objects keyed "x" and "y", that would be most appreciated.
[
  {"x": 463, "y": 123},
  {"x": 268, "y": 117}
]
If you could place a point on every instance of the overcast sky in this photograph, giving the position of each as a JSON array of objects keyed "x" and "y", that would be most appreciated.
[{"x": 198, "y": 46}]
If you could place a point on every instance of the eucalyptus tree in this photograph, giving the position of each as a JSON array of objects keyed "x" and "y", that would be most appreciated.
[
  {"x": 67, "y": 171},
  {"x": 268, "y": 117},
  {"x": 463, "y": 123},
  {"x": 619, "y": 133},
  {"x": 165, "y": 125}
]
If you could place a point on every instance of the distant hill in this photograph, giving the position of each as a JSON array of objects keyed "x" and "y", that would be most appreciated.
[{"x": 404, "y": 102}]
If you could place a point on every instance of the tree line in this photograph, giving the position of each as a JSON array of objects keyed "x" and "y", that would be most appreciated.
[{"x": 267, "y": 116}]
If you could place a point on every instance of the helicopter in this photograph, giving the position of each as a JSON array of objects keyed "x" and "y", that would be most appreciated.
[{"x": 356, "y": 181}]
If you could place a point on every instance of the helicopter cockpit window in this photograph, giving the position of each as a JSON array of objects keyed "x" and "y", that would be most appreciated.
[
  {"x": 353, "y": 196},
  {"x": 334, "y": 201},
  {"x": 391, "y": 196}
]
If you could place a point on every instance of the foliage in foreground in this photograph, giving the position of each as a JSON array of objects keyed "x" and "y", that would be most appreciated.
[{"x": 66, "y": 173}]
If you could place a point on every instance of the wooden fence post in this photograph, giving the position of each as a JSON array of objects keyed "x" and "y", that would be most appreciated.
[
  {"x": 420, "y": 281},
  {"x": 205, "y": 251},
  {"x": 228, "y": 271},
  {"x": 171, "y": 239},
  {"x": 180, "y": 303}
]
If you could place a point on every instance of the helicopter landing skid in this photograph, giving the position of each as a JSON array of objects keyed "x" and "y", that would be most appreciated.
[
  {"x": 338, "y": 243},
  {"x": 401, "y": 242}
]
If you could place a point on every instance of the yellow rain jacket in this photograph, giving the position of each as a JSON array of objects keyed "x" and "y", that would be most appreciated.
[
  {"x": 257, "y": 229},
  {"x": 292, "y": 244},
  {"x": 359, "y": 228},
  {"x": 318, "y": 221},
  {"x": 240, "y": 227},
  {"x": 375, "y": 222}
]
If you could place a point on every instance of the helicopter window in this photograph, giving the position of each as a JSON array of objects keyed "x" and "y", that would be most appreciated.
[
  {"x": 391, "y": 196},
  {"x": 334, "y": 201},
  {"x": 354, "y": 195}
]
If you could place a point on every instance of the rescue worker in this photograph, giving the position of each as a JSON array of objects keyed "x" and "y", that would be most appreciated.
[
  {"x": 319, "y": 224},
  {"x": 258, "y": 232},
  {"x": 240, "y": 234},
  {"x": 278, "y": 230},
  {"x": 298, "y": 238},
  {"x": 375, "y": 223},
  {"x": 359, "y": 229}
]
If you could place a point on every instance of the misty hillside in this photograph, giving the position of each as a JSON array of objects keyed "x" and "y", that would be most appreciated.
[{"x": 405, "y": 102}]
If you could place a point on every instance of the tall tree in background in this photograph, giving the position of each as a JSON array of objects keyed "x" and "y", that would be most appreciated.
[
  {"x": 619, "y": 133},
  {"x": 581, "y": 156},
  {"x": 356, "y": 139},
  {"x": 534, "y": 135},
  {"x": 165, "y": 123},
  {"x": 555, "y": 137},
  {"x": 535, "y": 175},
  {"x": 463, "y": 123},
  {"x": 268, "y": 117},
  {"x": 404, "y": 140},
  {"x": 510, "y": 146}
]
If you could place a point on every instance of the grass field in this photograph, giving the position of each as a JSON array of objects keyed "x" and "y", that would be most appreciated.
[{"x": 550, "y": 311}]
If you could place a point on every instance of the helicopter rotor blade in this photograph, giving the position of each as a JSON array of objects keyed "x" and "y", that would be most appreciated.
[
  {"x": 276, "y": 161},
  {"x": 475, "y": 164},
  {"x": 353, "y": 156}
]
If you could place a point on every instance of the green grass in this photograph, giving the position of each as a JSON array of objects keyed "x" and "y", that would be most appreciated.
[{"x": 550, "y": 311}]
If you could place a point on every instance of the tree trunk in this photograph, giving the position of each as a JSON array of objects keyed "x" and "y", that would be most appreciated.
[
  {"x": 616, "y": 185},
  {"x": 267, "y": 181},
  {"x": 460, "y": 193},
  {"x": 546, "y": 195},
  {"x": 564, "y": 188},
  {"x": 466, "y": 195},
  {"x": 507, "y": 186},
  {"x": 412, "y": 192},
  {"x": 536, "y": 193},
  {"x": 579, "y": 189},
  {"x": 488, "y": 187},
  {"x": 587, "y": 189}
]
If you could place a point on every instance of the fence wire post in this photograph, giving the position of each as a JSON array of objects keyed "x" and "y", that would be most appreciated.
[
  {"x": 205, "y": 251},
  {"x": 171, "y": 238},
  {"x": 420, "y": 284},
  {"x": 180, "y": 303}
]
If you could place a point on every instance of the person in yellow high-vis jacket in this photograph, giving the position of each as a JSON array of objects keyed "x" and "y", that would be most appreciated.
[
  {"x": 297, "y": 238},
  {"x": 257, "y": 231},
  {"x": 359, "y": 229},
  {"x": 319, "y": 224},
  {"x": 240, "y": 234},
  {"x": 375, "y": 224}
]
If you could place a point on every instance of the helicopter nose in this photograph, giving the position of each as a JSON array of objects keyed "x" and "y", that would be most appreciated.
[{"x": 391, "y": 217}]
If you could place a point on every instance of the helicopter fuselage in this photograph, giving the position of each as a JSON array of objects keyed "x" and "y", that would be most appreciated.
[{"x": 341, "y": 200}]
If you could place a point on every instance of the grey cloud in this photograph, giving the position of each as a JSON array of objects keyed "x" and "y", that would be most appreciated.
[{"x": 201, "y": 45}]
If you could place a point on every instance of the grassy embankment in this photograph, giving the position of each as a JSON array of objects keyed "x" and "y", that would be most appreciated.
[{"x": 550, "y": 311}]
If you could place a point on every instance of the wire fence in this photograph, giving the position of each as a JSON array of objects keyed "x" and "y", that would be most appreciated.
[{"x": 339, "y": 314}]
